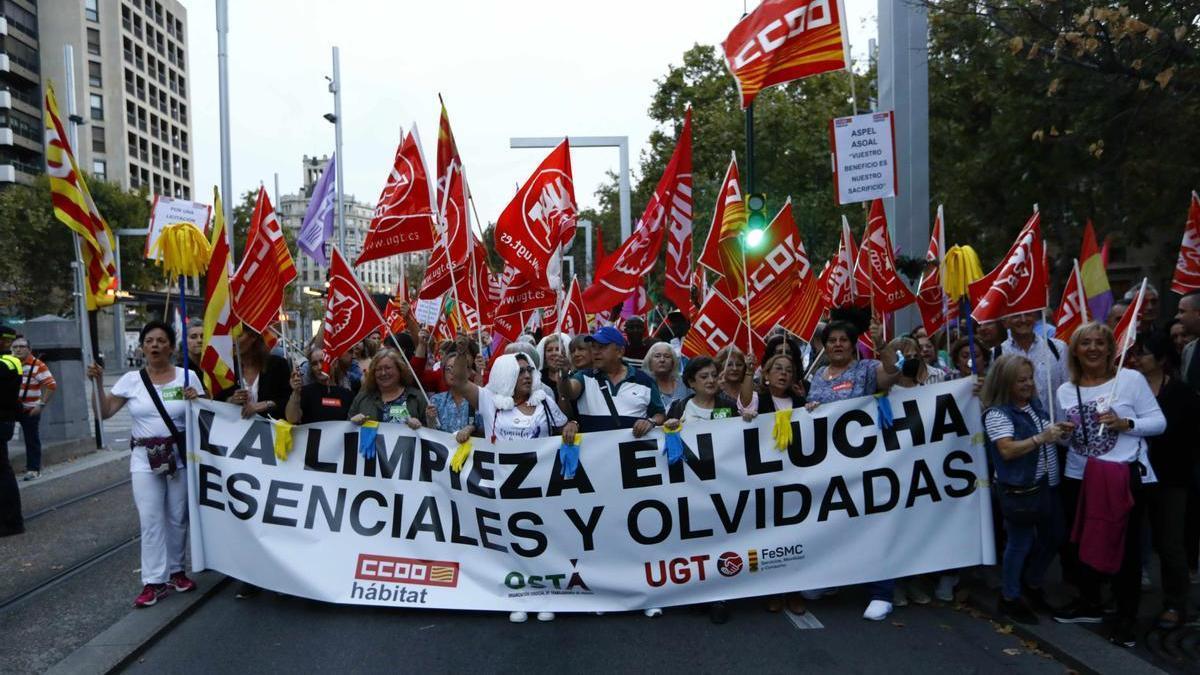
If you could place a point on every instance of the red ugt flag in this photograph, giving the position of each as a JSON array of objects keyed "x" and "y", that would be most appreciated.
[
  {"x": 1127, "y": 328},
  {"x": 574, "y": 319},
  {"x": 931, "y": 297},
  {"x": 404, "y": 217},
  {"x": 1072, "y": 311},
  {"x": 1020, "y": 284},
  {"x": 265, "y": 270},
  {"x": 540, "y": 220},
  {"x": 679, "y": 231},
  {"x": 350, "y": 315},
  {"x": 839, "y": 277},
  {"x": 1187, "y": 269},
  {"x": 888, "y": 291}
]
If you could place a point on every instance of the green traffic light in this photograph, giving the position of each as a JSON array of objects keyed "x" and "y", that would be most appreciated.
[
  {"x": 754, "y": 237},
  {"x": 756, "y": 219}
]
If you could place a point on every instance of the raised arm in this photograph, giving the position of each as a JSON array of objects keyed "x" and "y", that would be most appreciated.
[{"x": 109, "y": 404}]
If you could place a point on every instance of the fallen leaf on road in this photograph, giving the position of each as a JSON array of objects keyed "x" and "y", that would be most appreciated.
[
  {"x": 1012, "y": 651},
  {"x": 898, "y": 624},
  {"x": 1006, "y": 629}
]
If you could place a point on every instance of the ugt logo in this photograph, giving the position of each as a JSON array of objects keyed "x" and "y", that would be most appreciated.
[{"x": 548, "y": 208}]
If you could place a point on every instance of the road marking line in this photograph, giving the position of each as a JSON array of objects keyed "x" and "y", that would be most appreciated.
[{"x": 805, "y": 621}]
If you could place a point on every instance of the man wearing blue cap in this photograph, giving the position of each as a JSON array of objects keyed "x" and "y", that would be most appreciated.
[{"x": 613, "y": 395}]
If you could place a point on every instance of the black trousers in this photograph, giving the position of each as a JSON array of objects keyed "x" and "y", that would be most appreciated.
[
  {"x": 11, "y": 521},
  {"x": 1127, "y": 582}
]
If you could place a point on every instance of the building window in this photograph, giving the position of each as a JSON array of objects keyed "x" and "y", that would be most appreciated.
[
  {"x": 100, "y": 169},
  {"x": 98, "y": 139},
  {"x": 93, "y": 41},
  {"x": 91, "y": 9},
  {"x": 94, "y": 77},
  {"x": 97, "y": 103}
]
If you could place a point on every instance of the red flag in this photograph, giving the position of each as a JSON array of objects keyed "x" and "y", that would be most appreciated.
[
  {"x": 520, "y": 296},
  {"x": 888, "y": 292},
  {"x": 437, "y": 276},
  {"x": 1126, "y": 330},
  {"x": 1187, "y": 269},
  {"x": 1072, "y": 311},
  {"x": 393, "y": 317},
  {"x": 540, "y": 220},
  {"x": 839, "y": 280},
  {"x": 785, "y": 40},
  {"x": 782, "y": 287},
  {"x": 931, "y": 297},
  {"x": 265, "y": 270},
  {"x": 677, "y": 287},
  {"x": 509, "y": 327},
  {"x": 447, "y": 156},
  {"x": 717, "y": 325},
  {"x": 1020, "y": 284},
  {"x": 404, "y": 219},
  {"x": 458, "y": 223},
  {"x": 350, "y": 315},
  {"x": 623, "y": 270},
  {"x": 722, "y": 251},
  {"x": 473, "y": 287},
  {"x": 574, "y": 319}
]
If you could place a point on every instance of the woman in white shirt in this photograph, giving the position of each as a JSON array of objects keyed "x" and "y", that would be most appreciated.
[
  {"x": 1113, "y": 413},
  {"x": 158, "y": 479},
  {"x": 511, "y": 407}
]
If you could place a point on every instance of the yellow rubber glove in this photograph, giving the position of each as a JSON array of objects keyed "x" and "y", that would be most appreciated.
[
  {"x": 283, "y": 440},
  {"x": 460, "y": 456},
  {"x": 782, "y": 432}
]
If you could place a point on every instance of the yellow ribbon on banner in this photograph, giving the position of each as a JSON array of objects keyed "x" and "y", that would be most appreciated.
[
  {"x": 460, "y": 456},
  {"x": 283, "y": 440},
  {"x": 782, "y": 432}
]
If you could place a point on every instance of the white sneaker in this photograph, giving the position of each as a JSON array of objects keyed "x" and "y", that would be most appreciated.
[
  {"x": 545, "y": 616},
  {"x": 653, "y": 612},
  {"x": 31, "y": 475},
  {"x": 878, "y": 610},
  {"x": 518, "y": 617},
  {"x": 945, "y": 587}
]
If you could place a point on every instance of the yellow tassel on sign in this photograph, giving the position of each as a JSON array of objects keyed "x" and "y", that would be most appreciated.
[
  {"x": 961, "y": 268},
  {"x": 182, "y": 250},
  {"x": 283, "y": 440},
  {"x": 460, "y": 456},
  {"x": 782, "y": 432}
]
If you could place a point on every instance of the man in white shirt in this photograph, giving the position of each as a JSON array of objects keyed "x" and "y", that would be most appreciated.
[{"x": 1049, "y": 357}]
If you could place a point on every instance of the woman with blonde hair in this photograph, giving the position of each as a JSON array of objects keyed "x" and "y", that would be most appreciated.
[
  {"x": 388, "y": 393},
  {"x": 737, "y": 377},
  {"x": 1020, "y": 443},
  {"x": 1113, "y": 411}
]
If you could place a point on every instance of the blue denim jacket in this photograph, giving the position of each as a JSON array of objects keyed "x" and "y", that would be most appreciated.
[{"x": 1018, "y": 472}]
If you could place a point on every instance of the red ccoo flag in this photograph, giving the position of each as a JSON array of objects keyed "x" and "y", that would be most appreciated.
[
  {"x": 350, "y": 315},
  {"x": 265, "y": 270},
  {"x": 785, "y": 40},
  {"x": 718, "y": 325},
  {"x": 540, "y": 220},
  {"x": 1072, "y": 311},
  {"x": 931, "y": 297},
  {"x": 404, "y": 217},
  {"x": 677, "y": 286},
  {"x": 888, "y": 291},
  {"x": 1187, "y": 269},
  {"x": 1020, "y": 284},
  {"x": 782, "y": 287}
]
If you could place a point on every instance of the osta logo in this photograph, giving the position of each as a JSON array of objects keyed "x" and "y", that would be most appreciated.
[{"x": 729, "y": 564}]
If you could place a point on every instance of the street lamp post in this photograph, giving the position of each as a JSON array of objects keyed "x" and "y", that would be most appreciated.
[{"x": 335, "y": 88}]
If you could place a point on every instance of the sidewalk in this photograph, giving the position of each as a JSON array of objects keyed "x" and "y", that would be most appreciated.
[{"x": 116, "y": 438}]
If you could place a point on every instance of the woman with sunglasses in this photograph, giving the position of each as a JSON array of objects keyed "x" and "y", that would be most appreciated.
[
  {"x": 511, "y": 407},
  {"x": 323, "y": 399}
]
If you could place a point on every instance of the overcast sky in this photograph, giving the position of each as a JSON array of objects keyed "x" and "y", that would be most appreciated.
[{"x": 520, "y": 68}]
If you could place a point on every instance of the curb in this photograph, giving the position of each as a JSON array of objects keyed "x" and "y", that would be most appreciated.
[
  {"x": 121, "y": 642},
  {"x": 1078, "y": 648}
]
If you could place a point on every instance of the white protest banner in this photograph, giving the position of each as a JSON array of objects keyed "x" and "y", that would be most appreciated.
[
  {"x": 845, "y": 503},
  {"x": 864, "y": 152},
  {"x": 426, "y": 311},
  {"x": 168, "y": 211}
]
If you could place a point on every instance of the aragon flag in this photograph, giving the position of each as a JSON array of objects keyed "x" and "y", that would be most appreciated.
[
  {"x": 785, "y": 40},
  {"x": 404, "y": 217},
  {"x": 220, "y": 325},
  {"x": 539, "y": 222}
]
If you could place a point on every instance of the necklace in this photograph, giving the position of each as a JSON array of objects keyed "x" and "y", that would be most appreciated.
[{"x": 829, "y": 375}]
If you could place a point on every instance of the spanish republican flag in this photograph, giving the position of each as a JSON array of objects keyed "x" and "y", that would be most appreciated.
[
  {"x": 1093, "y": 275},
  {"x": 220, "y": 325},
  {"x": 74, "y": 207}
]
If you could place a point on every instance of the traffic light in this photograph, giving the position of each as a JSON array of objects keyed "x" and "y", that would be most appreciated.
[{"x": 756, "y": 218}]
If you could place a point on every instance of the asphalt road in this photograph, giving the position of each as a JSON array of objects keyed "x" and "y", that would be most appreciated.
[{"x": 272, "y": 633}]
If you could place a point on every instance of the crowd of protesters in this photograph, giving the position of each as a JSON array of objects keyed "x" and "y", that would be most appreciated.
[{"x": 1084, "y": 457}]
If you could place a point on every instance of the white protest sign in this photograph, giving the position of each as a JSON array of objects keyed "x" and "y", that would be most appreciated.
[
  {"x": 168, "y": 211},
  {"x": 426, "y": 311},
  {"x": 847, "y": 502},
  {"x": 864, "y": 157}
]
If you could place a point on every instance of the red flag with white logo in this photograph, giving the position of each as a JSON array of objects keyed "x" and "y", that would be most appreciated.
[
  {"x": 718, "y": 325},
  {"x": 677, "y": 286},
  {"x": 931, "y": 297},
  {"x": 888, "y": 291},
  {"x": 1125, "y": 333},
  {"x": 1072, "y": 311},
  {"x": 540, "y": 220},
  {"x": 404, "y": 219},
  {"x": 350, "y": 314},
  {"x": 265, "y": 270},
  {"x": 574, "y": 319},
  {"x": 521, "y": 296},
  {"x": 782, "y": 288},
  {"x": 839, "y": 281},
  {"x": 1187, "y": 268},
  {"x": 1019, "y": 284},
  {"x": 624, "y": 269}
]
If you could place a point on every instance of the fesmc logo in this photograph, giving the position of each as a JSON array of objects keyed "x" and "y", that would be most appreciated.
[
  {"x": 551, "y": 211},
  {"x": 378, "y": 570},
  {"x": 554, "y": 583}
]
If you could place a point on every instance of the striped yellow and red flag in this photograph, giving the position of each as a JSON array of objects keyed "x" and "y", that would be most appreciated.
[
  {"x": 220, "y": 325},
  {"x": 783, "y": 289},
  {"x": 73, "y": 205},
  {"x": 722, "y": 252}
]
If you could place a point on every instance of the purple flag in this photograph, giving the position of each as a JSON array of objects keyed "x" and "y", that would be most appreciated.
[{"x": 317, "y": 227}]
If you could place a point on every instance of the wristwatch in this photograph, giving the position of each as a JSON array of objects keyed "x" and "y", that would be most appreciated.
[{"x": 1129, "y": 420}]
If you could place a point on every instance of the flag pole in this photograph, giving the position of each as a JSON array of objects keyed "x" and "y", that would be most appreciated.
[
  {"x": 1136, "y": 308},
  {"x": 746, "y": 298},
  {"x": 1050, "y": 393}
]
